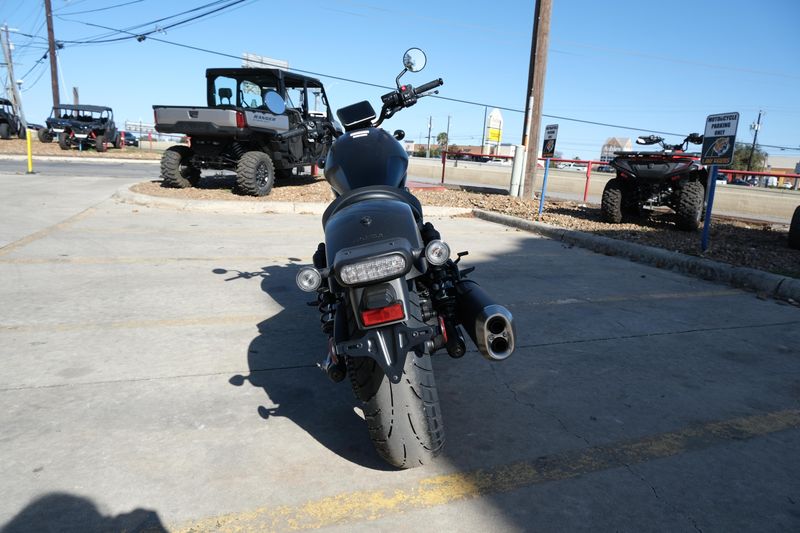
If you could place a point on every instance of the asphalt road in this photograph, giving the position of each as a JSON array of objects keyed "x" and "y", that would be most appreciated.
[{"x": 159, "y": 370}]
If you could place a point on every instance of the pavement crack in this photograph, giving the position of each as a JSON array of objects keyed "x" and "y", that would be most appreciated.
[
  {"x": 652, "y": 487},
  {"x": 537, "y": 409}
]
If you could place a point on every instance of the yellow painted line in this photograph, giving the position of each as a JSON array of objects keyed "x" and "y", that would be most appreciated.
[
  {"x": 134, "y": 324},
  {"x": 227, "y": 259},
  {"x": 361, "y": 506},
  {"x": 45, "y": 232}
]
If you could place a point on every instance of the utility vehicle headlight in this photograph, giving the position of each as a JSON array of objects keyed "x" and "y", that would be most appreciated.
[
  {"x": 437, "y": 252},
  {"x": 379, "y": 268},
  {"x": 308, "y": 279}
]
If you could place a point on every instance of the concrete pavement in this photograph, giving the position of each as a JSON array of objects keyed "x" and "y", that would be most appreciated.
[{"x": 158, "y": 370}]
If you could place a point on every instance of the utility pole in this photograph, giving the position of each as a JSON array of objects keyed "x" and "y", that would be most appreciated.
[
  {"x": 754, "y": 127},
  {"x": 430, "y": 124},
  {"x": 51, "y": 40},
  {"x": 11, "y": 81},
  {"x": 483, "y": 135},
  {"x": 533, "y": 105}
]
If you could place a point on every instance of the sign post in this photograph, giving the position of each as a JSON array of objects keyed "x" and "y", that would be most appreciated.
[
  {"x": 719, "y": 141},
  {"x": 548, "y": 151}
]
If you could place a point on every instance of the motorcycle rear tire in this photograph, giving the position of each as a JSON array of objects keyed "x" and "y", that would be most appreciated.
[{"x": 404, "y": 419}]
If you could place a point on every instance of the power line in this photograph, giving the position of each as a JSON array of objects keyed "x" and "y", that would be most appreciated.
[
  {"x": 369, "y": 84},
  {"x": 102, "y": 8}
]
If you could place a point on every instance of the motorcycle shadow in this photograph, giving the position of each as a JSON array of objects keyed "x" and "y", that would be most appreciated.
[{"x": 282, "y": 360}]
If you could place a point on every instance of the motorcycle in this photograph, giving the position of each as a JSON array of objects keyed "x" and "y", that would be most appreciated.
[
  {"x": 388, "y": 292},
  {"x": 671, "y": 177}
]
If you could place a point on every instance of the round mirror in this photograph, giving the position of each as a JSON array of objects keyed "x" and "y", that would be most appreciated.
[
  {"x": 275, "y": 102},
  {"x": 414, "y": 59}
]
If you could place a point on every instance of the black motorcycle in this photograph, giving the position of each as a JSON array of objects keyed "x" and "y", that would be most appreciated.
[{"x": 388, "y": 292}]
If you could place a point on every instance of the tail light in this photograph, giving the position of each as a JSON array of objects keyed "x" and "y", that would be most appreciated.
[
  {"x": 383, "y": 315},
  {"x": 241, "y": 122}
]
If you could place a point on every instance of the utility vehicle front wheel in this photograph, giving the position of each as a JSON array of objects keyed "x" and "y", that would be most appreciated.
[
  {"x": 255, "y": 174},
  {"x": 44, "y": 136},
  {"x": 5, "y": 131},
  {"x": 690, "y": 206},
  {"x": 100, "y": 143},
  {"x": 63, "y": 141}
]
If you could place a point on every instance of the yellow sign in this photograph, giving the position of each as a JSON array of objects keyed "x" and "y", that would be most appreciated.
[{"x": 495, "y": 134}]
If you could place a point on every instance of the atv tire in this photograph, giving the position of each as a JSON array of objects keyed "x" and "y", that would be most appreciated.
[
  {"x": 44, "y": 135},
  {"x": 176, "y": 170},
  {"x": 100, "y": 143},
  {"x": 63, "y": 141},
  {"x": 611, "y": 203},
  {"x": 690, "y": 206},
  {"x": 5, "y": 131},
  {"x": 22, "y": 133},
  {"x": 255, "y": 174},
  {"x": 794, "y": 230}
]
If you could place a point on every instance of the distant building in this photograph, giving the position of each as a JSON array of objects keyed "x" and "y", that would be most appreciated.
[{"x": 614, "y": 144}]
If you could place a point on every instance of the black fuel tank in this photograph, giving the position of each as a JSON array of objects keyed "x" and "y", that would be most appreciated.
[{"x": 366, "y": 157}]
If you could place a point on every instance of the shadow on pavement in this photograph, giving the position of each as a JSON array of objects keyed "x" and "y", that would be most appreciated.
[
  {"x": 282, "y": 361},
  {"x": 67, "y": 513}
]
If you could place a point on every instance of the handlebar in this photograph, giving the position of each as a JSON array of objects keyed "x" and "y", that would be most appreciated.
[
  {"x": 291, "y": 134},
  {"x": 428, "y": 86}
]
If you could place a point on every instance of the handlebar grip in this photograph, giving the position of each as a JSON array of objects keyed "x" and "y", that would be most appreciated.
[
  {"x": 428, "y": 86},
  {"x": 291, "y": 134}
]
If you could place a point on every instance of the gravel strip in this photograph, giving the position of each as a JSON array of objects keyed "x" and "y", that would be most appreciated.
[{"x": 756, "y": 245}]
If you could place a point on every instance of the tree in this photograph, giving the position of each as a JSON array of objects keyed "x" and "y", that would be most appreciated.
[
  {"x": 742, "y": 154},
  {"x": 441, "y": 140}
]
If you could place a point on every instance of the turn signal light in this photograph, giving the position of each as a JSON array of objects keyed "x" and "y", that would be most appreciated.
[{"x": 391, "y": 313}]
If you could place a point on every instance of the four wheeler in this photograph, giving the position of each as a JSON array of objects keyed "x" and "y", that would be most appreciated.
[
  {"x": 241, "y": 128},
  {"x": 82, "y": 126},
  {"x": 10, "y": 123},
  {"x": 670, "y": 177}
]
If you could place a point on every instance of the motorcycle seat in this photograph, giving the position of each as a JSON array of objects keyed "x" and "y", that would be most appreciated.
[{"x": 373, "y": 192}]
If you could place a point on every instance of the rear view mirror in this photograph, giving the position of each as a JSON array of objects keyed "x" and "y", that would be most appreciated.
[
  {"x": 414, "y": 59},
  {"x": 650, "y": 139},
  {"x": 275, "y": 102},
  {"x": 695, "y": 138}
]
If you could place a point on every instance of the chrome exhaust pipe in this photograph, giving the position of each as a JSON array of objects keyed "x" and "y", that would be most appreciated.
[{"x": 489, "y": 324}]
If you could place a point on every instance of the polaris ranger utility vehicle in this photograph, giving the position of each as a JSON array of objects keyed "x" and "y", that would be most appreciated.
[
  {"x": 671, "y": 177},
  {"x": 241, "y": 128},
  {"x": 82, "y": 126},
  {"x": 10, "y": 123}
]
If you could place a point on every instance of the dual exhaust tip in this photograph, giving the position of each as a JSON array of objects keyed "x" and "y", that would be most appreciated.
[{"x": 489, "y": 324}]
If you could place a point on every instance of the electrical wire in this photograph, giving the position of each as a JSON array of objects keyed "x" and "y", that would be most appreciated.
[
  {"x": 102, "y": 8},
  {"x": 350, "y": 80}
]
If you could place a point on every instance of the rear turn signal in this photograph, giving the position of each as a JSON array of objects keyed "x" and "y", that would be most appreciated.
[{"x": 390, "y": 313}]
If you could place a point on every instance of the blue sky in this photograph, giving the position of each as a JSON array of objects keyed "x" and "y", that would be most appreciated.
[{"x": 652, "y": 65}]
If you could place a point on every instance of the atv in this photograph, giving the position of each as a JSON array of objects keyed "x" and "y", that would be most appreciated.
[{"x": 668, "y": 178}]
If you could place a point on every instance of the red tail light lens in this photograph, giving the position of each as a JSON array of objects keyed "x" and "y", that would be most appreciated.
[
  {"x": 390, "y": 313},
  {"x": 241, "y": 122}
]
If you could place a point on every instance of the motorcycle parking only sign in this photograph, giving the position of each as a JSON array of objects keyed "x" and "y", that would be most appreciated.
[
  {"x": 719, "y": 139},
  {"x": 549, "y": 144}
]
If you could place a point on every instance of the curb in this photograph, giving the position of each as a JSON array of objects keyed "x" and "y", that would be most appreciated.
[
  {"x": 251, "y": 207},
  {"x": 773, "y": 285}
]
